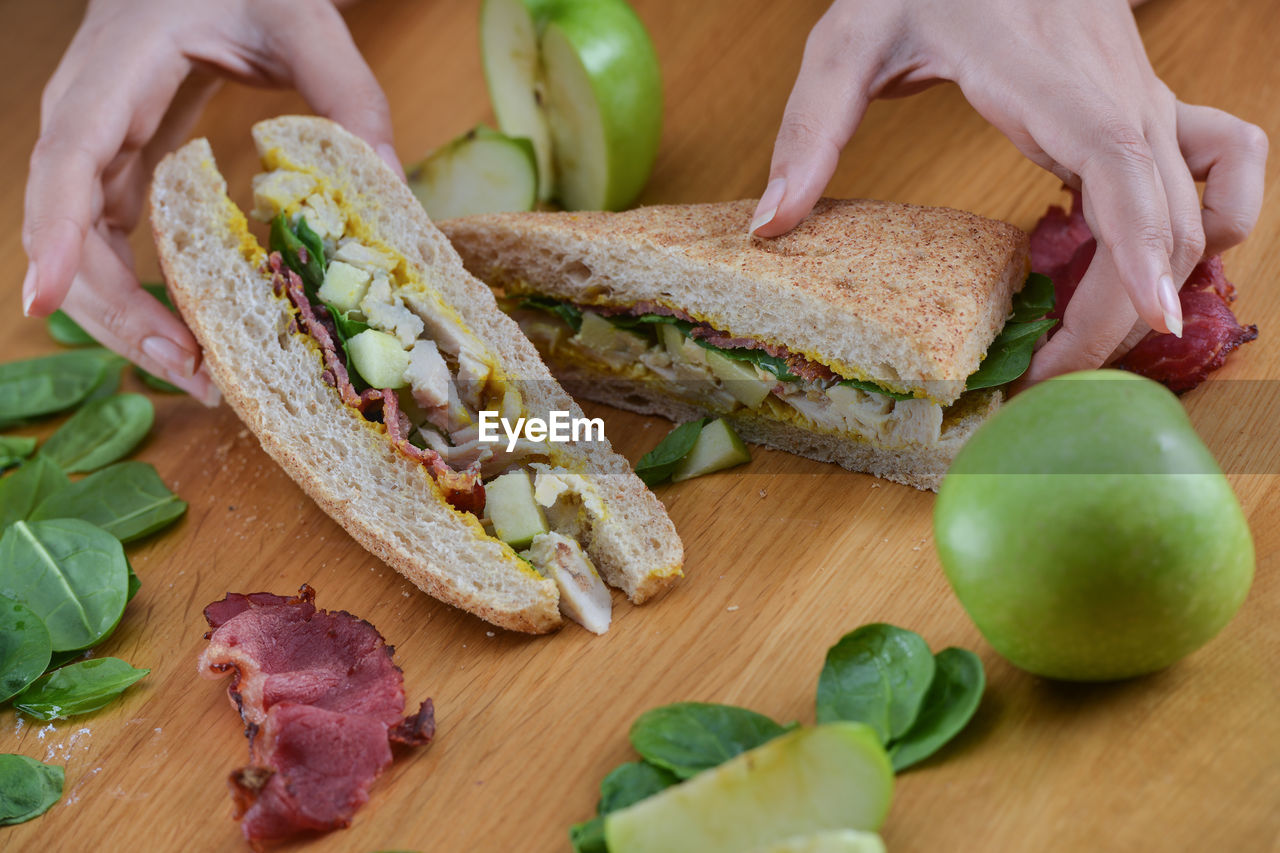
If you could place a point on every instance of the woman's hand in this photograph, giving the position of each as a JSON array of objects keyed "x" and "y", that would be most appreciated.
[
  {"x": 1071, "y": 86},
  {"x": 127, "y": 91}
]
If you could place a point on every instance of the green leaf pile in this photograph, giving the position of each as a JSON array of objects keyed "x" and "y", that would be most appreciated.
[
  {"x": 880, "y": 675},
  {"x": 887, "y": 678},
  {"x": 1010, "y": 353},
  {"x": 64, "y": 576}
]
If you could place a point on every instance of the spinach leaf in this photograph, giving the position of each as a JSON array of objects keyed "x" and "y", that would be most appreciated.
[
  {"x": 1010, "y": 353},
  {"x": 161, "y": 293},
  {"x": 951, "y": 702},
  {"x": 71, "y": 574},
  {"x": 59, "y": 659},
  {"x": 25, "y": 647},
  {"x": 876, "y": 675},
  {"x": 627, "y": 784},
  {"x": 25, "y": 489},
  {"x": 1034, "y": 300},
  {"x": 301, "y": 250},
  {"x": 645, "y": 322},
  {"x": 128, "y": 500},
  {"x": 134, "y": 584},
  {"x": 100, "y": 433},
  {"x": 689, "y": 737},
  {"x": 15, "y": 448},
  {"x": 27, "y": 788},
  {"x": 761, "y": 359},
  {"x": 156, "y": 383},
  {"x": 347, "y": 328},
  {"x": 66, "y": 331},
  {"x": 630, "y": 783},
  {"x": 659, "y": 464},
  {"x": 52, "y": 383},
  {"x": 570, "y": 313},
  {"x": 77, "y": 688},
  {"x": 588, "y": 836},
  {"x": 873, "y": 388}
]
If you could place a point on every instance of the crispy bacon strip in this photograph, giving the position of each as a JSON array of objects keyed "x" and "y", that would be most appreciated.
[
  {"x": 1062, "y": 248},
  {"x": 321, "y": 701},
  {"x": 462, "y": 489}
]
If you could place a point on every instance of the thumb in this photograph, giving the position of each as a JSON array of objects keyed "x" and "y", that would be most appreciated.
[
  {"x": 825, "y": 107},
  {"x": 331, "y": 74}
]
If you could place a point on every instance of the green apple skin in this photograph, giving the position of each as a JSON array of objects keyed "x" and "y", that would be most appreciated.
[
  {"x": 593, "y": 108},
  {"x": 1089, "y": 533},
  {"x": 810, "y": 780},
  {"x": 621, "y": 67}
]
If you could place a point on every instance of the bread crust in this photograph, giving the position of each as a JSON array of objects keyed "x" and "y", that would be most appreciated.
[
  {"x": 907, "y": 296},
  {"x": 388, "y": 503}
]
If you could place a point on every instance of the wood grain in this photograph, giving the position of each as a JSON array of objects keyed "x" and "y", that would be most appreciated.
[{"x": 783, "y": 556}]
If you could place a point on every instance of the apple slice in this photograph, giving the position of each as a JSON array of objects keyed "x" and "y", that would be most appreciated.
[
  {"x": 827, "y": 777},
  {"x": 829, "y": 841},
  {"x": 580, "y": 80},
  {"x": 482, "y": 171}
]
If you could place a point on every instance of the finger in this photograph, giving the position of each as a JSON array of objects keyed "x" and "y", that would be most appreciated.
[
  {"x": 826, "y": 104},
  {"x": 331, "y": 74},
  {"x": 1184, "y": 219},
  {"x": 1097, "y": 321},
  {"x": 1230, "y": 156},
  {"x": 110, "y": 104},
  {"x": 125, "y": 180},
  {"x": 1126, "y": 208},
  {"x": 108, "y": 302}
]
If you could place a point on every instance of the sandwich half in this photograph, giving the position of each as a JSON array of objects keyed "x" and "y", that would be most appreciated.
[
  {"x": 857, "y": 338},
  {"x": 384, "y": 435}
]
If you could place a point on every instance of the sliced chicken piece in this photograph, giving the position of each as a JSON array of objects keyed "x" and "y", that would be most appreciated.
[
  {"x": 385, "y": 311},
  {"x": 583, "y": 596},
  {"x": 352, "y": 251},
  {"x": 428, "y": 375}
]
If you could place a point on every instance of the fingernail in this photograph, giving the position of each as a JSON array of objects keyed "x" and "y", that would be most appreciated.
[
  {"x": 29, "y": 288},
  {"x": 211, "y": 396},
  {"x": 388, "y": 153},
  {"x": 768, "y": 206},
  {"x": 1167, "y": 295},
  {"x": 173, "y": 358}
]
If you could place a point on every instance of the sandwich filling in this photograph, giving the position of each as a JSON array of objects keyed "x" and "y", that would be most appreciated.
[
  {"x": 400, "y": 356},
  {"x": 710, "y": 368}
]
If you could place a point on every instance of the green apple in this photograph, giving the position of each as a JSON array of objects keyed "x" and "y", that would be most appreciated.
[
  {"x": 482, "y": 171},
  {"x": 580, "y": 80},
  {"x": 828, "y": 841},
  {"x": 1089, "y": 533},
  {"x": 832, "y": 776}
]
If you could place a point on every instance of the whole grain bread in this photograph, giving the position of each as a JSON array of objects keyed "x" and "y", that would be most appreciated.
[
  {"x": 271, "y": 375},
  {"x": 909, "y": 297}
]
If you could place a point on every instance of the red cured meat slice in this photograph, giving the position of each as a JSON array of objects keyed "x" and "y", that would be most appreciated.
[
  {"x": 322, "y": 702},
  {"x": 1062, "y": 248}
]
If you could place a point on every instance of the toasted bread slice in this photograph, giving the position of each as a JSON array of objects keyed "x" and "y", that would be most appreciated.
[
  {"x": 271, "y": 374},
  {"x": 908, "y": 297}
]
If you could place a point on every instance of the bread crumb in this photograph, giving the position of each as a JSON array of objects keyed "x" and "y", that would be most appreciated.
[
  {"x": 763, "y": 493},
  {"x": 490, "y": 634},
  {"x": 732, "y": 608}
]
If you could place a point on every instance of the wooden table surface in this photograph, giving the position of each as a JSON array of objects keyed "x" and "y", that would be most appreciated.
[{"x": 783, "y": 556}]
